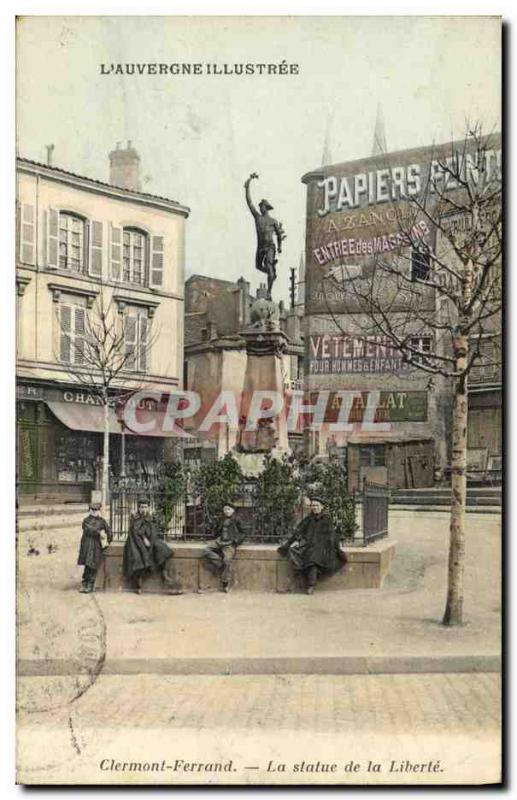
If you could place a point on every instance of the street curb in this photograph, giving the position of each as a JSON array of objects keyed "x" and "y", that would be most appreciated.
[{"x": 325, "y": 665}]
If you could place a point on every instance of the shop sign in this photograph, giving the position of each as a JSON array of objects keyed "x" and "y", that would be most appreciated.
[
  {"x": 396, "y": 406},
  {"x": 80, "y": 396},
  {"x": 349, "y": 355}
]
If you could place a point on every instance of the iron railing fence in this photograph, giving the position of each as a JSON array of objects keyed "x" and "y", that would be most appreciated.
[
  {"x": 375, "y": 506},
  {"x": 186, "y": 518}
]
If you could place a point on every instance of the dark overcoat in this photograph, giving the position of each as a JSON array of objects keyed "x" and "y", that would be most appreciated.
[
  {"x": 314, "y": 544},
  {"x": 90, "y": 549},
  {"x": 139, "y": 557},
  {"x": 229, "y": 530}
]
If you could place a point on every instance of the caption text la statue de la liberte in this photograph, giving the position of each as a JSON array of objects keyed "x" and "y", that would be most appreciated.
[
  {"x": 200, "y": 68},
  {"x": 183, "y": 766}
]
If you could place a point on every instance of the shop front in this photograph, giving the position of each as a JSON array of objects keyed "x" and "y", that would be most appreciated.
[
  {"x": 398, "y": 462},
  {"x": 60, "y": 441}
]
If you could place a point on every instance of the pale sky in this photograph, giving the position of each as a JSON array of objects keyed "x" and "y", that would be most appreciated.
[{"x": 200, "y": 136}]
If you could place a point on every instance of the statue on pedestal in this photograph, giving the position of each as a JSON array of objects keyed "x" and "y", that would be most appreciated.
[{"x": 268, "y": 229}]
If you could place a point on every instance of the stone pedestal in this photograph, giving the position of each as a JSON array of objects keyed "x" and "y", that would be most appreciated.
[{"x": 265, "y": 345}]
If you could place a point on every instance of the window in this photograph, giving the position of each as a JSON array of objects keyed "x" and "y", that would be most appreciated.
[
  {"x": 423, "y": 344},
  {"x": 487, "y": 366},
  {"x": 71, "y": 242},
  {"x": 136, "y": 341},
  {"x": 373, "y": 455},
  {"x": 420, "y": 264},
  {"x": 72, "y": 324},
  {"x": 134, "y": 252}
]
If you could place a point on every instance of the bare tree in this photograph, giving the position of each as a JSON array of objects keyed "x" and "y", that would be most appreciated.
[
  {"x": 433, "y": 290},
  {"x": 105, "y": 352}
]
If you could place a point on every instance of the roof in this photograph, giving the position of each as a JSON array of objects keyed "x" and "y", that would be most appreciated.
[
  {"x": 371, "y": 161},
  {"x": 129, "y": 192},
  {"x": 212, "y": 280}
]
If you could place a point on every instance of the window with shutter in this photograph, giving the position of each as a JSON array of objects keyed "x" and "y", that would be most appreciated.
[
  {"x": 156, "y": 271},
  {"x": 130, "y": 340},
  {"x": 27, "y": 234},
  {"x": 65, "y": 336},
  {"x": 116, "y": 253},
  {"x": 52, "y": 230},
  {"x": 69, "y": 242},
  {"x": 420, "y": 264},
  {"x": 142, "y": 343},
  {"x": 79, "y": 334},
  {"x": 423, "y": 344},
  {"x": 72, "y": 333},
  {"x": 134, "y": 256},
  {"x": 96, "y": 248},
  {"x": 136, "y": 339}
]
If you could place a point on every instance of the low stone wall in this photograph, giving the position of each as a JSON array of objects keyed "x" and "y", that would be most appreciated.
[{"x": 257, "y": 568}]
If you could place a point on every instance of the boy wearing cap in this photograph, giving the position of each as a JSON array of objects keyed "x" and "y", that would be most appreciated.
[
  {"x": 314, "y": 549},
  {"x": 95, "y": 539},
  {"x": 144, "y": 550},
  {"x": 228, "y": 534}
]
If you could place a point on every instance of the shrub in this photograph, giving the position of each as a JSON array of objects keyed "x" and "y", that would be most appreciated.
[
  {"x": 215, "y": 484},
  {"x": 329, "y": 481},
  {"x": 170, "y": 491},
  {"x": 276, "y": 497}
]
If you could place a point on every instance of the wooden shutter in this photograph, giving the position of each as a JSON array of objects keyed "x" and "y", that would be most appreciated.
[
  {"x": 79, "y": 334},
  {"x": 116, "y": 253},
  {"x": 65, "y": 333},
  {"x": 27, "y": 234},
  {"x": 52, "y": 231},
  {"x": 130, "y": 340},
  {"x": 142, "y": 342},
  {"x": 156, "y": 267},
  {"x": 96, "y": 248},
  {"x": 18, "y": 212}
]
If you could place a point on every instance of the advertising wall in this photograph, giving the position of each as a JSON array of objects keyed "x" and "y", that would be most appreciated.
[
  {"x": 361, "y": 214},
  {"x": 363, "y": 210}
]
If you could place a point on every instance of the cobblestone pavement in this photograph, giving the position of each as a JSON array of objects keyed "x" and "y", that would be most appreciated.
[{"x": 454, "y": 718}]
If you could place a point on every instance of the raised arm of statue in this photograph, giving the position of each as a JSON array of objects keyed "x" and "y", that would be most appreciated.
[{"x": 248, "y": 194}]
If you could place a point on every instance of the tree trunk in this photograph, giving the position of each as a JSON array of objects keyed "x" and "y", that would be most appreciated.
[
  {"x": 105, "y": 456},
  {"x": 454, "y": 608}
]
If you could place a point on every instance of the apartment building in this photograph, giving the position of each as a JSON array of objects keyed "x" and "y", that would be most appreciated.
[{"x": 83, "y": 244}]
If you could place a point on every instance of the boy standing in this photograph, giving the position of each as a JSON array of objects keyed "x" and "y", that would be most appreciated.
[
  {"x": 95, "y": 539},
  {"x": 228, "y": 535}
]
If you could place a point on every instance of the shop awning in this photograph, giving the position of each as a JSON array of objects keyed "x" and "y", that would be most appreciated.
[{"x": 81, "y": 417}]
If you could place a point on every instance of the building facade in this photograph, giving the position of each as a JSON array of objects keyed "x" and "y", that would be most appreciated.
[
  {"x": 82, "y": 244},
  {"x": 399, "y": 423}
]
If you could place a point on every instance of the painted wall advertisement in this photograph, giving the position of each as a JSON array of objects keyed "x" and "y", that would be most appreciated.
[
  {"x": 374, "y": 406},
  {"x": 361, "y": 211}
]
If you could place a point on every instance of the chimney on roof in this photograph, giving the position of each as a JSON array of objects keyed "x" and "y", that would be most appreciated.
[
  {"x": 125, "y": 167},
  {"x": 50, "y": 150}
]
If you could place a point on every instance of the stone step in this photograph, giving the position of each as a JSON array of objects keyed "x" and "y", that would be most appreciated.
[
  {"x": 440, "y": 500},
  {"x": 478, "y": 491},
  {"x": 496, "y": 509},
  {"x": 52, "y": 510},
  {"x": 64, "y": 530}
]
